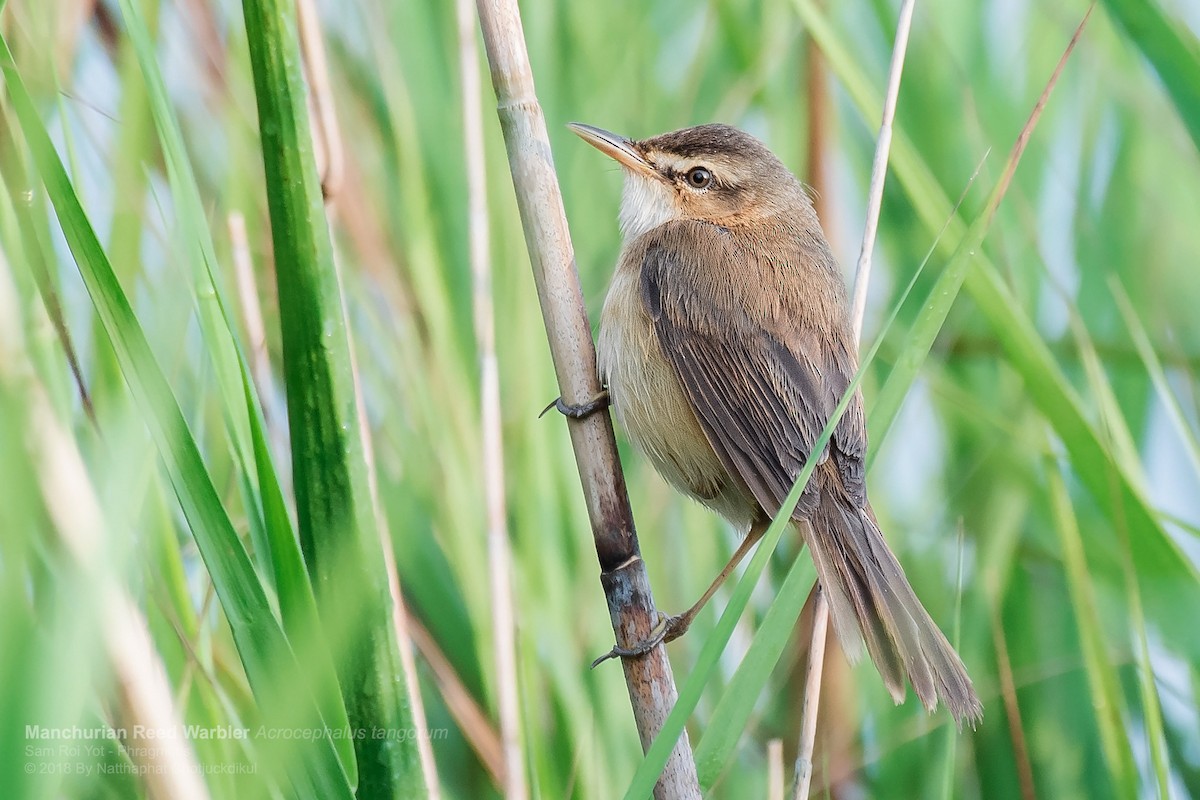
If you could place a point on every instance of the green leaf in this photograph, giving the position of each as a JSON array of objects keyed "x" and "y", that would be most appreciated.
[
  {"x": 1167, "y": 574},
  {"x": 647, "y": 773},
  {"x": 1102, "y": 675},
  {"x": 1145, "y": 349},
  {"x": 1171, "y": 48},
  {"x": 338, "y": 531},
  {"x": 238, "y": 401},
  {"x": 269, "y": 663},
  {"x": 725, "y": 727}
]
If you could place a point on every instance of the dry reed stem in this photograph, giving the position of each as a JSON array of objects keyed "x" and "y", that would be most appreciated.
[
  {"x": 200, "y": 16},
  {"x": 71, "y": 17},
  {"x": 404, "y": 643},
  {"x": 775, "y": 769},
  {"x": 623, "y": 574},
  {"x": 247, "y": 289},
  {"x": 144, "y": 702},
  {"x": 466, "y": 713},
  {"x": 883, "y": 146},
  {"x": 503, "y": 607},
  {"x": 862, "y": 276},
  {"x": 327, "y": 141},
  {"x": 837, "y": 741},
  {"x": 820, "y": 112},
  {"x": 372, "y": 244},
  {"x": 812, "y": 698},
  {"x": 1012, "y": 709}
]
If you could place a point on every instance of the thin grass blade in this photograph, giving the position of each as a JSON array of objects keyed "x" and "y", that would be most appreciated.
[
  {"x": 1173, "y": 50},
  {"x": 1103, "y": 680}
]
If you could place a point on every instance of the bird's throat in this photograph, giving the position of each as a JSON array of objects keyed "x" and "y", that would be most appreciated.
[{"x": 646, "y": 203}]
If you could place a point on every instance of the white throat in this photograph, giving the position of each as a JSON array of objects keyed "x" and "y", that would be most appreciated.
[{"x": 646, "y": 203}]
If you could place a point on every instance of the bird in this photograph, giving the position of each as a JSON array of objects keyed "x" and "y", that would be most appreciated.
[{"x": 726, "y": 345}]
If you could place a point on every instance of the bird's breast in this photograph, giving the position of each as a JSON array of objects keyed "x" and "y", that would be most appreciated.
[{"x": 651, "y": 406}]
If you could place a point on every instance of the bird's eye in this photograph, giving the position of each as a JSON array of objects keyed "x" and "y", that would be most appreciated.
[{"x": 699, "y": 177}]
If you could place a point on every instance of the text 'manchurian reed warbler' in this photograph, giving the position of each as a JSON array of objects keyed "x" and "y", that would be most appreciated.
[{"x": 726, "y": 345}]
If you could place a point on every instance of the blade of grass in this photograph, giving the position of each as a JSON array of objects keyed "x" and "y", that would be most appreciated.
[
  {"x": 38, "y": 635},
  {"x": 1147, "y": 687},
  {"x": 241, "y": 409},
  {"x": 1154, "y": 552},
  {"x": 1152, "y": 548},
  {"x": 25, "y": 241},
  {"x": 644, "y": 779},
  {"x": 1119, "y": 438},
  {"x": 268, "y": 661},
  {"x": 169, "y": 766},
  {"x": 1151, "y": 706},
  {"x": 338, "y": 529},
  {"x": 728, "y": 721},
  {"x": 936, "y": 307},
  {"x": 951, "y": 735},
  {"x": 196, "y": 241},
  {"x": 1173, "y": 50},
  {"x": 1103, "y": 680},
  {"x": 1141, "y": 340},
  {"x": 129, "y": 190}
]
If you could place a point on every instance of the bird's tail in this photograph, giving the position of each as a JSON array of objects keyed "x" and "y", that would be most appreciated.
[{"x": 869, "y": 595}]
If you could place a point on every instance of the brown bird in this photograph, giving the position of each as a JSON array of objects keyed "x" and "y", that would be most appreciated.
[{"x": 726, "y": 345}]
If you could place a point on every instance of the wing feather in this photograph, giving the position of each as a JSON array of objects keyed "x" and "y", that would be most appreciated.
[{"x": 762, "y": 396}]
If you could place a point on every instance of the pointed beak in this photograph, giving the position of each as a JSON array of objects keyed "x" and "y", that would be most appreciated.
[{"x": 613, "y": 146}]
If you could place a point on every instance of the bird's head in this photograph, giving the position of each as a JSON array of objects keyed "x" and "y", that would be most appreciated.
[{"x": 714, "y": 173}]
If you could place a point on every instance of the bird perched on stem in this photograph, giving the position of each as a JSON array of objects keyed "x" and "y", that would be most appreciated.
[{"x": 726, "y": 345}]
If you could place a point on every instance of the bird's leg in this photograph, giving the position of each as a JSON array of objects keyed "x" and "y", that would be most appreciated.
[
  {"x": 678, "y": 625},
  {"x": 596, "y": 403},
  {"x": 668, "y": 629}
]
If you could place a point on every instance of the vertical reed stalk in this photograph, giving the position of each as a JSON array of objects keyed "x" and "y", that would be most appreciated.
[
  {"x": 631, "y": 607},
  {"x": 504, "y": 647},
  {"x": 326, "y": 138}
]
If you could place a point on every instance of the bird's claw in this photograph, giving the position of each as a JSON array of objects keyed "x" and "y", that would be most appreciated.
[
  {"x": 667, "y": 629},
  {"x": 579, "y": 411}
]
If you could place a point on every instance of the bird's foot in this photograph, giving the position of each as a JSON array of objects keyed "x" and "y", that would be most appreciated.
[
  {"x": 667, "y": 629},
  {"x": 598, "y": 402}
]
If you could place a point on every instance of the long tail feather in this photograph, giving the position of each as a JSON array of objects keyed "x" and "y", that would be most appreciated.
[{"x": 871, "y": 601}]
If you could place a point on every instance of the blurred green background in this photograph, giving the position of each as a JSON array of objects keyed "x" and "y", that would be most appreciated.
[{"x": 1038, "y": 474}]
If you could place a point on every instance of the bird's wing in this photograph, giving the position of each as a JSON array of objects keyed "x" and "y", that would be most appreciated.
[{"x": 762, "y": 396}]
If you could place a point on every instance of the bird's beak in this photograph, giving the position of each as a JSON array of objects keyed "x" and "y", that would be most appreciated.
[{"x": 614, "y": 146}]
